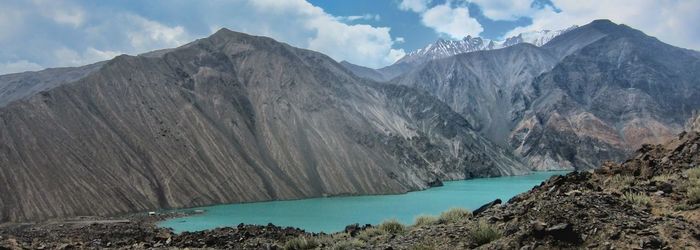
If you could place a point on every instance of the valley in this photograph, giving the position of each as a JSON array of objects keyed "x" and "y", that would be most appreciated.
[{"x": 583, "y": 137}]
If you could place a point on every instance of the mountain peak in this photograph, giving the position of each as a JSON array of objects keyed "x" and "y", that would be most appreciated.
[
  {"x": 605, "y": 25},
  {"x": 444, "y": 48}
]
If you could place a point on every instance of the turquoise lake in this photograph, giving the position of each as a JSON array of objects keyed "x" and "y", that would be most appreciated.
[{"x": 332, "y": 214}]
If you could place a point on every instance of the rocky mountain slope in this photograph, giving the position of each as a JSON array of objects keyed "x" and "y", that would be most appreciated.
[
  {"x": 591, "y": 94},
  {"x": 18, "y": 86},
  {"x": 228, "y": 118},
  {"x": 446, "y": 48},
  {"x": 615, "y": 94},
  {"x": 489, "y": 88}
]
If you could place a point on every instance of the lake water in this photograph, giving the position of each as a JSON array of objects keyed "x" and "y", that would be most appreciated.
[{"x": 332, "y": 214}]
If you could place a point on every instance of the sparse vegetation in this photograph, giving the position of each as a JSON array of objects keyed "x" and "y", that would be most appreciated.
[
  {"x": 425, "y": 220},
  {"x": 638, "y": 199},
  {"x": 369, "y": 233},
  {"x": 662, "y": 178},
  {"x": 301, "y": 243},
  {"x": 392, "y": 227},
  {"x": 484, "y": 233},
  {"x": 693, "y": 185},
  {"x": 422, "y": 247},
  {"x": 693, "y": 173},
  {"x": 454, "y": 215},
  {"x": 619, "y": 182},
  {"x": 348, "y": 244},
  {"x": 694, "y": 194}
]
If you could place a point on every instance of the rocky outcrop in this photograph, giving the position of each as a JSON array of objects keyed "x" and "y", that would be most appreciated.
[
  {"x": 693, "y": 123},
  {"x": 229, "y": 118}
]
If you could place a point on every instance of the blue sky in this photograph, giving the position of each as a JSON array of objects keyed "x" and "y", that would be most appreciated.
[{"x": 36, "y": 34}]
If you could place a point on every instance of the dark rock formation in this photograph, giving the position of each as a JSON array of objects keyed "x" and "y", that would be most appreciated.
[
  {"x": 229, "y": 118},
  {"x": 486, "y": 206},
  {"x": 435, "y": 183}
]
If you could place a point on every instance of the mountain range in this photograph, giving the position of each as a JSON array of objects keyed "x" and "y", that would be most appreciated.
[
  {"x": 593, "y": 93},
  {"x": 445, "y": 48},
  {"x": 229, "y": 118},
  {"x": 240, "y": 118}
]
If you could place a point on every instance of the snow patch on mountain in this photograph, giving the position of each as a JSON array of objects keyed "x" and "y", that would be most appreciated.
[{"x": 445, "y": 48}]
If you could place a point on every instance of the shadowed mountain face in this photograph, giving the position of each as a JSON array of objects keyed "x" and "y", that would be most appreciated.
[
  {"x": 229, "y": 118},
  {"x": 608, "y": 98},
  {"x": 592, "y": 94},
  {"x": 486, "y": 87}
]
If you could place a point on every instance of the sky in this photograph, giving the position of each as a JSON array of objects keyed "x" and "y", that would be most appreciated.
[{"x": 38, "y": 34}]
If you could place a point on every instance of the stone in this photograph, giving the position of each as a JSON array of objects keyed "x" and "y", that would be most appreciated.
[
  {"x": 563, "y": 232},
  {"x": 435, "y": 183},
  {"x": 486, "y": 206},
  {"x": 352, "y": 229}
]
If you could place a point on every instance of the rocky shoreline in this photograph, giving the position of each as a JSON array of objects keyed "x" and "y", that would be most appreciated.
[{"x": 647, "y": 202}]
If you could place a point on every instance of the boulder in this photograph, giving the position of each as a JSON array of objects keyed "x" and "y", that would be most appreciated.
[
  {"x": 563, "y": 232},
  {"x": 435, "y": 183},
  {"x": 487, "y": 206}
]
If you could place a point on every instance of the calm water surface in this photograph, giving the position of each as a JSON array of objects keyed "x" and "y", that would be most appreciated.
[{"x": 334, "y": 213}]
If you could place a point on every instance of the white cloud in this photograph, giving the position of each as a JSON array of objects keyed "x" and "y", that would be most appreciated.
[
  {"x": 18, "y": 66},
  {"x": 71, "y": 32},
  {"x": 71, "y": 57},
  {"x": 61, "y": 12},
  {"x": 367, "y": 17},
  {"x": 509, "y": 10},
  {"x": 145, "y": 34},
  {"x": 450, "y": 18},
  {"x": 674, "y": 22},
  {"x": 11, "y": 21},
  {"x": 414, "y": 5},
  {"x": 304, "y": 25},
  {"x": 454, "y": 22}
]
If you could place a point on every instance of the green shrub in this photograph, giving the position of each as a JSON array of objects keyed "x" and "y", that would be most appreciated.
[
  {"x": 662, "y": 178},
  {"x": 392, "y": 227},
  {"x": 637, "y": 198},
  {"x": 619, "y": 182},
  {"x": 454, "y": 215},
  {"x": 484, "y": 233},
  {"x": 369, "y": 233},
  {"x": 693, "y": 173},
  {"x": 348, "y": 245},
  {"x": 694, "y": 194},
  {"x": 425, "y": 220},
  {"x": 301, "y": 243}
]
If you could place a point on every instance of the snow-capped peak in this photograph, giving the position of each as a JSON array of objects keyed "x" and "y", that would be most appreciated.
[{"x": 445, "y": 48}]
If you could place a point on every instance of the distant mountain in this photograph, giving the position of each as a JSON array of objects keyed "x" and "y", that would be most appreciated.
[
  {"x": 17, "y": 86},
  {"x": 593, "y": 93},
  {"x": 486, "y": 87},
  {"x": 228, "y": 118},
  {"x": 446, "y": 48}
]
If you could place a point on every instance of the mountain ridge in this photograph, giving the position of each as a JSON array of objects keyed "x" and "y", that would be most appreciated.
[{"x": 229, "y": 118}]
